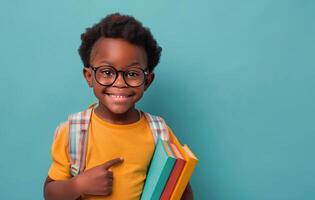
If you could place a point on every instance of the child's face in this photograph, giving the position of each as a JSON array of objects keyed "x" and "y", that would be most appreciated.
[{"x": 119, "y": 97}]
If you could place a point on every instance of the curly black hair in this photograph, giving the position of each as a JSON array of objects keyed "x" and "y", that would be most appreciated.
[{"x": 124, "y": 27}]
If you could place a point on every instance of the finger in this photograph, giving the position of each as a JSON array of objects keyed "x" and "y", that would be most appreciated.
[
  {"x": 109, "y": 174},
  {"x": 110, "y": 163},
  {"x": 108, "y": 191},
  {"x": 108, "y": 183}
]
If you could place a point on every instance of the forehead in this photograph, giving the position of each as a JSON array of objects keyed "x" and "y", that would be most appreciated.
[{"x": 117, "y": 52}]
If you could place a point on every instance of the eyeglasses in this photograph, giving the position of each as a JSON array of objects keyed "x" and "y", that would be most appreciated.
[{"x": 107, "y": 75}]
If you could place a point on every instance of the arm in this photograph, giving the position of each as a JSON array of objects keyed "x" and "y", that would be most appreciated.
[
  {"x": 61, "y": 190},
  {"x": 95, "y": 181},
  {"x": 62, "y": 186},
  {"x": 188, "y": 193}
]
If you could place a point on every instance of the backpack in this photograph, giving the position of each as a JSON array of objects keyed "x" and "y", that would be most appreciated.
[{"x": 78, "y": 136}]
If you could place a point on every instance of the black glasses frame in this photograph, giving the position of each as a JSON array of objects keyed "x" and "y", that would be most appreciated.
[{"x": 145, "y": 72}]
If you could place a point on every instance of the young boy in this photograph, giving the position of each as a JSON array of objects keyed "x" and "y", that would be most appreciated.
[{"x": 119, "y": 56}]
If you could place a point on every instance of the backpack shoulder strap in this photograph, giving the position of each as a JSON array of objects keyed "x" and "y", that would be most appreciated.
[
  {"x": 78, "y": 135},
  {"x": 158, "y": 127}
]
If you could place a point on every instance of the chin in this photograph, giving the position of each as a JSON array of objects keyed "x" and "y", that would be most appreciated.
[{"x": 119, "y": 111}]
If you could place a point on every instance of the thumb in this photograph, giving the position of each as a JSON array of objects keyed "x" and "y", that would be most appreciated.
[{"x": 112, "y": 162}]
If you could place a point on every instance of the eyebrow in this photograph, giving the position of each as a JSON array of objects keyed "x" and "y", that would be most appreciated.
[
  {"x": 106, "y": 62},
  {"x": 134, "y": 63}
]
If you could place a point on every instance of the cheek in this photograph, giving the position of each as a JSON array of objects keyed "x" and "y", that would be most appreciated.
[
  {"x": 98, "y": 90},
  {"x": 140, "y": 92},
  {"x": 140, "y": 89}
]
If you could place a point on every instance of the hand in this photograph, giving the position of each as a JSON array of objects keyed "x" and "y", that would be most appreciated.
[
  {"x": 98, "y": 180},
  {"x": 188, "y": 193}
]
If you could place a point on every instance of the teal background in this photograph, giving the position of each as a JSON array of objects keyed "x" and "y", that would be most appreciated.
[{"x": 235, "y": 82}]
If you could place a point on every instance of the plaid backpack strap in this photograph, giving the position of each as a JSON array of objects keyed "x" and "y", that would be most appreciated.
[
  {"x": 158, "y": 127},
  {"x": 78, "y": 135}
]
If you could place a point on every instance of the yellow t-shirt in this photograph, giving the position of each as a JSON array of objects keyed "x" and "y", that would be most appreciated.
[{"x": 134, "y": 142}]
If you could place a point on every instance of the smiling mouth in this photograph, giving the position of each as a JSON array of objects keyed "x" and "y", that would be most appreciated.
[{"x": 121, "y": 96}]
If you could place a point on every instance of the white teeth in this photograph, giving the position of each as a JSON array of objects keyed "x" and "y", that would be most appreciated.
[{"x": 118, "y": 96}]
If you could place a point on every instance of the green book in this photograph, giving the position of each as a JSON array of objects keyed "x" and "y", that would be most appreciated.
[{"x": 160, "y": 169}]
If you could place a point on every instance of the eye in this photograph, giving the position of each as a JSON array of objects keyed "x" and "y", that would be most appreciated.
[
  {"x": 107, "y": 72},
  {"x": 133, "y": 74}
]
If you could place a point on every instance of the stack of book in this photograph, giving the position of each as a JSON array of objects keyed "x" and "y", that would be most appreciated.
[{"x": 170, "y": 170}]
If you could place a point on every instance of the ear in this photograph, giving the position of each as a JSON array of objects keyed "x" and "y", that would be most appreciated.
[
  {"x": 87, "y": 73},
  {"x": 148, "y": 81}
]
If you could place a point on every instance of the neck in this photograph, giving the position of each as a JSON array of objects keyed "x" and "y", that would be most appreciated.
[{"x": 131, "y": 116}]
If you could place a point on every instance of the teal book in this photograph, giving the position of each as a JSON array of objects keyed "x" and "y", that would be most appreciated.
[{"x": 160, "y": 169}]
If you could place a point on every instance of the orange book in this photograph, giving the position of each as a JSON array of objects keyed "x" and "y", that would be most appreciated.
[
  {"x": 191, "y": 161},
  {"x": 175, "y": 174}
]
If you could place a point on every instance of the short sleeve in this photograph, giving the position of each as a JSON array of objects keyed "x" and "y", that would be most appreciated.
[{"x": 60, "y": 167}]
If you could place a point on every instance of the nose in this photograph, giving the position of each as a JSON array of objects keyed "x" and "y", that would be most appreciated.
[{"x": 120, "y": 81}]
